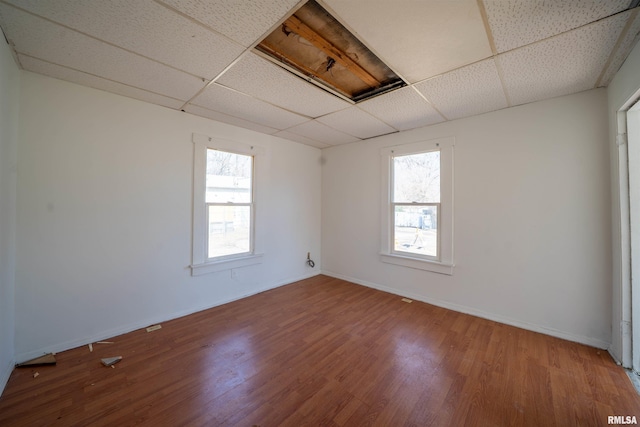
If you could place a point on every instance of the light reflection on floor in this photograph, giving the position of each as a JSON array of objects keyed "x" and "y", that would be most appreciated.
[{"x": 413, "y": 358}]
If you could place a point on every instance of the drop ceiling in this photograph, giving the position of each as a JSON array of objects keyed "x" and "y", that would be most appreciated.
[{"x": 458, "y": 57}]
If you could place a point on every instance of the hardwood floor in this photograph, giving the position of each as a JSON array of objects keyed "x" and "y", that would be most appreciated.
[{"x": 325, "y": 352}]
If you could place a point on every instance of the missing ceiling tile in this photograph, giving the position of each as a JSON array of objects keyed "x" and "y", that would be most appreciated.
[{"x": 315, "y": 45}]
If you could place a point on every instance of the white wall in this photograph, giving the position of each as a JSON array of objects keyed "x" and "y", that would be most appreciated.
[
  {"x": 532, "y": 237},
  {"x": 104, "y": 216},
  {"x": 9, "y": 102},
  {"x": 623, "y": 86}
]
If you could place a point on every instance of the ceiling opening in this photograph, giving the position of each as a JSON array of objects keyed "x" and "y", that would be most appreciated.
[{"x": 316, "y": 46}]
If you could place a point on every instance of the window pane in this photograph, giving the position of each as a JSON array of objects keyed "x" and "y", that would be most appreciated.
[
  {"x": 229, "y": 230},
  {"x": 416, "y": 229},
  {"x": 228, "y": 177},
  {"x": 416, "y": 178}
]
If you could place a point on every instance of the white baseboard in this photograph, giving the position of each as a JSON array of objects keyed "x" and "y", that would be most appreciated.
[
  {"x": 615, "y": 359},
  {"x": 444, "y": 304},
  {"x": 593, "y": 342},
  {"x": 104, "y": 335},
  {"x": 635, "y": 379},
  {"x": 5, "y": 374}
]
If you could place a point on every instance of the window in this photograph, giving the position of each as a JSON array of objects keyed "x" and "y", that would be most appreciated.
[
  {"x": 415, "y": 203},
  {"x": 417, "y": 211},
  {"x": 228, "y": 203},
  {"x": 224, "y": 204}
]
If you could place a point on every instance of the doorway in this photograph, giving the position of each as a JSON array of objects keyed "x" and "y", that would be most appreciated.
[{"x": 633, "y": 161}]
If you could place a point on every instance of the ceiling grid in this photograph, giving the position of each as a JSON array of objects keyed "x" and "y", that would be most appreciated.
[
  {"x": 621, "y": 39},
  {"x": 458, "y": 58}
]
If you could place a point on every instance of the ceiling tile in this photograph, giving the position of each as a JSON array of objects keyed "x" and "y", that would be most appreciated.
[
  {"x": 78, "y": 77},
  {"x": 144, "y": 27},
  {"x": 228, "y": 101},
  {"x": 516, "y": 23},
  {"x": 403, "y": 109},
  {"x": 356, "y": 122},
  {"x": 567, "y": 63},
  {"x": 322, "y": 133},
  {"x": 467, "y": 91},
  {"x": 301, "y": 139},
  {"x": 258, "y": 77},
  {"x": 233, "y": 18},
  {"x": 626, "y": 44},
  {"x": 42, "y": 39},
  {"x": 418, "y": 39},
  {"x": 153, "y": 50},
  {"x": 225, "y": 118}
]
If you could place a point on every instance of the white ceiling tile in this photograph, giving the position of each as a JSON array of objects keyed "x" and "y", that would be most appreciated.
[
  {"x": 626, "y": 45},
  {"x": 467, "y": 91},
  {"x": 78, "y": 77},
  {"x": 138, "y": 49},
  {"x": 234, "y": 18},
  {"x": 301, "y": 139},
  {"x": 228, "y": 101},
  {"x": 418, "y": 39},
  {"x": 516, "y": 23},
  {"x": 356, "y": 122},
  {"x": 258, "y": 77},
  {"x": 322, "y": 133},
  {"x": 403, "y": 109},
  {"x": 567, "y": 63},
  {"x": 225, "y": 118},
  {"x": 42, "y": 39},
  {"x": 144, "y": 27}
]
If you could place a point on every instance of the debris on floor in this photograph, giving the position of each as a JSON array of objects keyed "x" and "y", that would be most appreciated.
[
  {"x": 36, "y": 375},
  {"x": 154, "y": 328},
  {"x": 90, "y": 348},
  {"x": 47, "y": 359},
  {"x": 104, "y": 342},
  {"x": 406, "y": 300},
  {"x": 110, "y": 361}
]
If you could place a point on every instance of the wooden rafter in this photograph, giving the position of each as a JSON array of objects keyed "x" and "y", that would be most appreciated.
[
  {"x": 300, "y": 28},
  {"x": 273, "y": 51}
]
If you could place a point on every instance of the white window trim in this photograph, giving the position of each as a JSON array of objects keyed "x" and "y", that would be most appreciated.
[
  {"x": 199, "y": 263},
  {"x": 445, "y": 264}
]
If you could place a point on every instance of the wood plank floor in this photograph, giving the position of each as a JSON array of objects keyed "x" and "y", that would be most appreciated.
[{"x": 325, "y": 352}]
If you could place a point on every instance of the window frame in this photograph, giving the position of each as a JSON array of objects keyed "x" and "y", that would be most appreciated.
[
  {"x": 443, "y": 262},
  {"x": 200, "y": 262}
]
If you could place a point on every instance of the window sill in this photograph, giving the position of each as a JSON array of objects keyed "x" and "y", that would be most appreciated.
[
  {"x": 227, "y": 264},
  {"x": 418, "y": 263}
]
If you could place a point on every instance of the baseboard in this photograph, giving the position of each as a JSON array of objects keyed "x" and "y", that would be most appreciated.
[
  {"x": 592, "y": 342},
  {"x": 635, "y": 379},
  {"x": 5, "y": 374},
  {"x": 104, "y": 335},
  {"x": 615, "y": 359}
]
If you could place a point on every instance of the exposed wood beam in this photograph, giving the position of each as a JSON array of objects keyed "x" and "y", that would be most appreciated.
[
  {"x": 300, "y": 28},
  {"x": 273, "y": 51}
]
